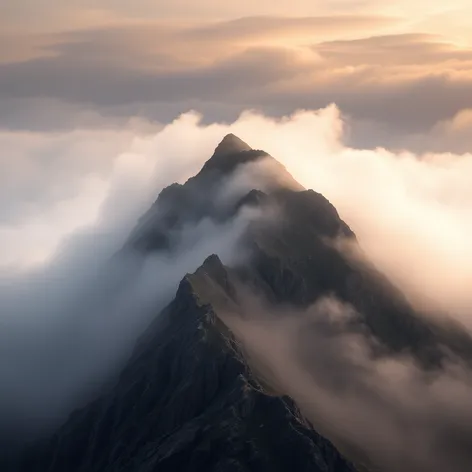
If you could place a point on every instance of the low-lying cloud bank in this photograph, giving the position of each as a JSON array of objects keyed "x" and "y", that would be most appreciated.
[
  {"x": 70, "y": 318},
  {"x": 73, "y": 198},
  {"x": 385, "y": 414}
]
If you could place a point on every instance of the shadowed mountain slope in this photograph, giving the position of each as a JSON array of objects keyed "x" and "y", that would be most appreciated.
[{"x": 186, "y": 400}]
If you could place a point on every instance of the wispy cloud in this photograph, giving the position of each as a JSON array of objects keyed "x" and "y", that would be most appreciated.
[
  {"x": 384, "y": 413},
  {"x": 411, "y": 214},
  {"x": 396, "y": 88}
]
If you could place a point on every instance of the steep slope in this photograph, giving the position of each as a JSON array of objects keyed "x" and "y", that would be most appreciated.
[
  {"x": 292, "y": 257},
  {"x": 186, "y": 400},
  {"x": 184, "y": 403}
]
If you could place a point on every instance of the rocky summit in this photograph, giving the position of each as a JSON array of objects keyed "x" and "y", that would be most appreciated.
[{"x": 188, "y": 399}]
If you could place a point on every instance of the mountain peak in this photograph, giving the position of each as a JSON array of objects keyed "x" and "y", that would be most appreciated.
[
  {"x": 231, "y": 144},
  {"x": 231, "y": 152}
]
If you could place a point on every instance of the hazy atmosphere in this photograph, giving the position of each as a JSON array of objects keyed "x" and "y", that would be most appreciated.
[
  {"x": 401, "y": 72},
  {"x": 105, "y": 103}
]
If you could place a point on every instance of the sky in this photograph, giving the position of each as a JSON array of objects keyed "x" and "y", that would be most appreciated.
[
  {"x": 397, "y": 70},
  {"x": 86, "y": 86},
  {"x": 104, "y": 103}
]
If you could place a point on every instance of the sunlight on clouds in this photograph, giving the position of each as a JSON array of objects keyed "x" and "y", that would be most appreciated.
[
  {"x": 33, "y": 242},
  {"x": 412, "y": 214},
  {"x": 418, "y": 206}
]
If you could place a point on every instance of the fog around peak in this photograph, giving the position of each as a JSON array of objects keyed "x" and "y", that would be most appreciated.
[
  {"x": 69, "y": 201},
  {"x": 384, "y": 413}
]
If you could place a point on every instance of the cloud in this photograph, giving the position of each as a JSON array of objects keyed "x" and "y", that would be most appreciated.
[
  {"x": 398, "y": 49},
  {"x": 74, "y": 197},
  {"x": 447, "y": 135},
  {"x": 68, "y": 328},
  {"x": 417, "y": 206},
  {"x": 268, "y": 27},
  {"x": 86, "y": 13},
  {"x": 70, "y": 320},
  {"x": 395, "y": 87},
  {"x": 53, "y": 184},
  {"x": 452, "y": 135},
  {"x": 386, "y": 414},
  {"x": 133, "y": 44},
  {"x": 68, "y": 78}
]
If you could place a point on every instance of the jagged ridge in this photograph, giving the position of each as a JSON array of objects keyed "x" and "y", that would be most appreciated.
[{"x": 184, "y": 400}]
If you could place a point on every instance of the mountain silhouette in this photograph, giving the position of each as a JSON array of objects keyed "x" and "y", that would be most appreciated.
[{"x": 189, "y": 399}]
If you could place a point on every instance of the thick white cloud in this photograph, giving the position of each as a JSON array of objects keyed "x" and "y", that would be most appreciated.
[
  {"x": 70, "y": 199},
  {"x": 71, "y": 314},
  {"x": 386, "y": 414},
  {"x": 419, "y": 207},
  {"x": 54, "y": 184},
  {"x": 411, "y": 213}
]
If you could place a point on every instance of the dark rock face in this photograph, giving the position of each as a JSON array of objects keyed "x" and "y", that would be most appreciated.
[
  {"x": 183, "y": 403},
  {"x": 186, "y": 399}
]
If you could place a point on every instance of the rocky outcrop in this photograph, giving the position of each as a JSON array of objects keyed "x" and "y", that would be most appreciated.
[{"x": 185, "y": 402}]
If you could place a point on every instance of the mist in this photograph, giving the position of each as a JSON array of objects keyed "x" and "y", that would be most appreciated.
[
  {"x": 384, "y": 413},
  {"x": 417, "y": 206},
  {"x": 70, "y": 318},
  {"x": 70, "y": 312}
]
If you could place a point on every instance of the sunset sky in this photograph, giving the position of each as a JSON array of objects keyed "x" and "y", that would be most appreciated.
[
  {"x": 401, "y": 71},
  {"x": 103, "y": 103},
  {"x": 86, "y": 87}
]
